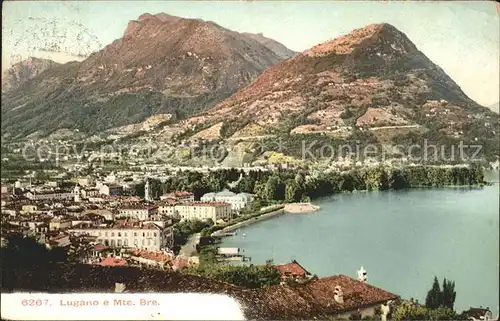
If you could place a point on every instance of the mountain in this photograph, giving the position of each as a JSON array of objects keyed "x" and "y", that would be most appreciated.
[
  {"x": 162, "y": 65},
  {"x": 372, "y": 83},
  {"x": 23, "y": 71},
  {"x": 275, "y": 46},
  {"x": 495, "y": 107}
]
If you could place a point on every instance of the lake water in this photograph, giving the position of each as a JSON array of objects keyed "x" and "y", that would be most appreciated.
[{"x": 402, "y": 238}]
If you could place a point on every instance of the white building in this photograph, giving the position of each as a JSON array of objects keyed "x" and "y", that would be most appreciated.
[
  {"x": 129, "y": 234},
  {"x": 237, "y": 201},
  {"x": 110, "y": 189},
  {"x": 168, "y": 209},
  {"x": 138, "y": 211},
  {"x": 204, "y": 210},
  {"x": 49, "y": 195}
]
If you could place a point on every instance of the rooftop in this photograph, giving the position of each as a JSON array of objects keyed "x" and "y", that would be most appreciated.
[
  {"x": 111, "y": 261},
  {"x": 293, "y": 268},
  {"x": 311, "y": 300}
]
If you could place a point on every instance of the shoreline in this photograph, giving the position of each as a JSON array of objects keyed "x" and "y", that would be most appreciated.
[{"x": 220, "y": 233}]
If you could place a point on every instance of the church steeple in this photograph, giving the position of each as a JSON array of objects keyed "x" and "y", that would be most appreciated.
[{"x": 147, "y": 191}]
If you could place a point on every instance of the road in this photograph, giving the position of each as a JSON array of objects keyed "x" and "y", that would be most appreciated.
[
  {"x": 189, "y": 248},
  {"x": 395, "y": 127}
]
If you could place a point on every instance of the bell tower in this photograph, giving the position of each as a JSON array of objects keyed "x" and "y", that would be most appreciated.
[{"x": 147, "y": 191}]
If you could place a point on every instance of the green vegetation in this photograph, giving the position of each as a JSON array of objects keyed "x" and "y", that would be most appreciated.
[
  {"x": 437, "y": 298},
  {"x": 184, "y": 229},
  {"x": 298, "y": 185},
  {"x": 411, "y": 311},
  {"x": 24, "y": 252},
  {"x": 438, "y": 305},
  {"x": 249, "y": 276}
]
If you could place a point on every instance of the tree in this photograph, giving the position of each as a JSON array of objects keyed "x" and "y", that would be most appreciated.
[
  {"x": 22, "y": 251},
  {"x": 292, "y": 192},
  {"x": 448, "y": 295},
  {"x": 433, "y": 299}
]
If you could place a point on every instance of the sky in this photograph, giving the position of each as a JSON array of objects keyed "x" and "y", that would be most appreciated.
[{"x": 463, "y": 38}]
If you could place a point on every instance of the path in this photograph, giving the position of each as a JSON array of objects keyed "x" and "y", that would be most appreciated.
[{"x": 189, "y": 248}]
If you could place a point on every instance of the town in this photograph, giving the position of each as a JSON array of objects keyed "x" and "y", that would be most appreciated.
[{"x": 112, "y": 221}]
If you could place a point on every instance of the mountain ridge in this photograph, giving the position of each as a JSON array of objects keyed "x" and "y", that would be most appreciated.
[
  {"x": 162, "y": 65},
  {"x": 373, "y": 80}
]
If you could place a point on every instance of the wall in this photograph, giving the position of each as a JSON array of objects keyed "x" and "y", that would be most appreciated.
[
  {"x": 248, "y": 222},
  {"x": 367, "y": 311}
]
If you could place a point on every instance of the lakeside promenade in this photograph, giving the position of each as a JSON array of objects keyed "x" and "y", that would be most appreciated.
[{"x": 294, "y": 208}]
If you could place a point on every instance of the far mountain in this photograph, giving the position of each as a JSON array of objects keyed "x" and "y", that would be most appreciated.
[
  {"x": 162, "y": 65},
  {"x": 275, "y": 46},
  {"x": 23, "y": 71}
]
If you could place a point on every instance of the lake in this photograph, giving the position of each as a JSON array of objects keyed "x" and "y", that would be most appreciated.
[{"x": 402, "y": 238}]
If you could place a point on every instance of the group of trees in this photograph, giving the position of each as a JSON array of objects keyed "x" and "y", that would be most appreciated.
[
  {"x": 249, "y": 276},
  {"x": 441, "y": 298},
  {"x": 300, "y": 185},
  {"x": 438, "y": 305},
  {"x": 184, "y": 229},
  {"x": 23, "y": 251}
]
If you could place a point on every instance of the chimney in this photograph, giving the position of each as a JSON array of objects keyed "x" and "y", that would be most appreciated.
[
  {"x": 338, "y": 295},
  {"x": 119, "y": 287},
  {"x": 362, "y": 275}
]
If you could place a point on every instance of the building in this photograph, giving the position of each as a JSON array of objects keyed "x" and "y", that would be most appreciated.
[
  {"x": 112, "y": 261},
  {"x": 129, "y": 234},
  {"x": 110, "y": 189},
  {"x": 49, "y": 195},
  {"x": 28, "y": 208},
  {"x": 476, "y": 314},
  {"x": 168, "y": 209},
  {"x": 184, "y": 197},
  {"x": 59, "y": 224},
  {"x": 292, "y": 270},
  {"x": 338, "y": 297},
  {"x": 204, "y": 210},
  {"x": 138, "y": 211},
  {"x": 155, "y": 259},
  {"x": 237, "y": 201}
]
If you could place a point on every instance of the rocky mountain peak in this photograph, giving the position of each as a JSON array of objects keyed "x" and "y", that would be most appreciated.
[
  {"x": 363, "y": 38},
  {"x": 148, "y": 19},
  {"x": 23, "y": 71}
]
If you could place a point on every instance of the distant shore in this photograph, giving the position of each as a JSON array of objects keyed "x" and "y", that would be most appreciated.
[{"x": 299, "y": 208}]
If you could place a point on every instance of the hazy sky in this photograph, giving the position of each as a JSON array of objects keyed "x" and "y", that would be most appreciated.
[{"x": 461, "y": 37}]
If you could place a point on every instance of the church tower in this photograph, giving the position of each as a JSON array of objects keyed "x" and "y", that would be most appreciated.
[
  {"x": 76, "y": 193},
  {"x": 147, "y": 192}
]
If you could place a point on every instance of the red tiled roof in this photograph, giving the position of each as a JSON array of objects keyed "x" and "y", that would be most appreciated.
[
  {"x": 111, "y": 261},
  {"x": 316, "y": 297},
  {"x": 292, "y": 269},
  {"x": 99, "y": 247},
  {"x": 154, "y": 256}
]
